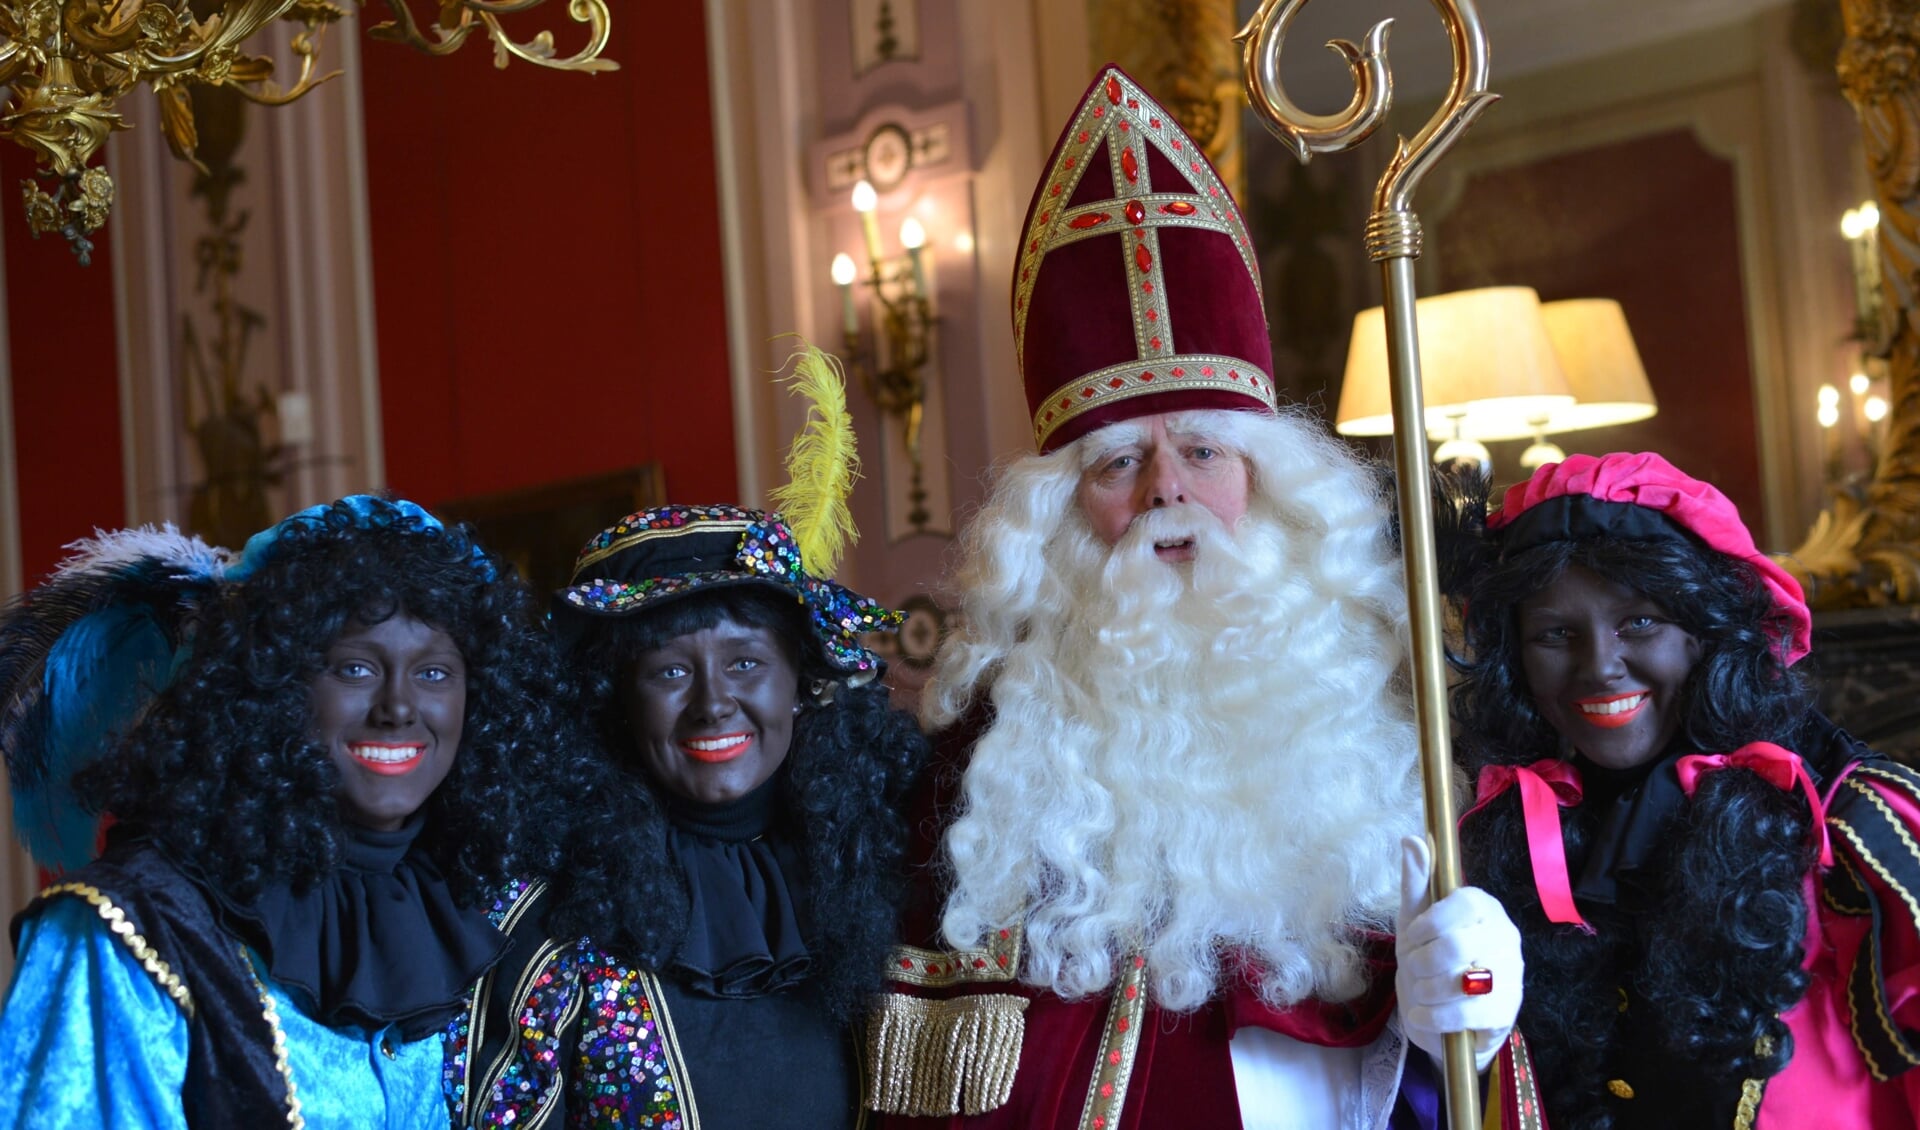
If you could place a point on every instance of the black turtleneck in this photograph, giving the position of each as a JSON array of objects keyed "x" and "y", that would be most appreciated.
[
  {"x": 738, "y": 994},
  {"x": 379, "y": 941}
]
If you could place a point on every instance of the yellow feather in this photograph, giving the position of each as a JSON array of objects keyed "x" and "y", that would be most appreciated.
[{"x": 821, "y": 464}]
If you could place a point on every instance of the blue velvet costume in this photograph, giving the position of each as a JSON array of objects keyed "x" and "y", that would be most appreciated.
[{"x": 94, "y": 1039}]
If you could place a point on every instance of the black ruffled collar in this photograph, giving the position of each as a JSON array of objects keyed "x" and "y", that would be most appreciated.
[
  {"x": 743, "y": 923},
  {"x": 1635, "y": 808},
  {"x": 380, "y": 941}
]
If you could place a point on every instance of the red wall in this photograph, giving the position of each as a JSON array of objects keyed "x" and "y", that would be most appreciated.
[
  {"x": 546, "y": 262},
  {"x": 66, "y": 382},
  {"x": 1653, "y": 222}
]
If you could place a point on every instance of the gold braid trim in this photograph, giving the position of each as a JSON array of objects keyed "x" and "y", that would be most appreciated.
[
  {"x": 938, "y": 1058},
  {"x": 1749, "y": 1109},
  {"x": 116, "y": 920},
  {"x": 295, "y": 1120}
]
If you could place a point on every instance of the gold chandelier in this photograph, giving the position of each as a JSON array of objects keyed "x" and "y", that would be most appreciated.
[{"x": 67, "y": 62}]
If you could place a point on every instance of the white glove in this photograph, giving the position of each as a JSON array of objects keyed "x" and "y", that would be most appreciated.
[{"x": 1436, "y": 944}]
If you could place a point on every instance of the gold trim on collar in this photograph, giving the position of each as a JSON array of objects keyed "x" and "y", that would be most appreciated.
[
  {"x": 1748, "y": 1112},
  {"x": 121, "y": 928},
  {"x": 618, "y": 544},
  {"x": 1184, "y": 373},
  {"x": 271, "y": 1012},
  {"x": 1879, "y": 1000},
  {"x": 1107, "y": 1091},
  {"x": 998, "y": 960}
]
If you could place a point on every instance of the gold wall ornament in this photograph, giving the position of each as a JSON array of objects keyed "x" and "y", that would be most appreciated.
[
  {"x": 67, "y": 63},
  {"x": 1393, "y": 241},
  {"x": 1182, "y": 50},
  {"x": 1864, "y": 549}
]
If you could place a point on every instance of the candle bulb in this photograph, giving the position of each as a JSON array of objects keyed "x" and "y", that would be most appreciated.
[
  {"x": 843, "y": 273},
  {"x": 913, "y": 237},
  {"x": 865, "y": 200}
]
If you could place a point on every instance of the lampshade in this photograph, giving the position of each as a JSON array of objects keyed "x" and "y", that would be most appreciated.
[
  {"x": 1596, "y": 350},
  {"x": 1486, "y": 364}
]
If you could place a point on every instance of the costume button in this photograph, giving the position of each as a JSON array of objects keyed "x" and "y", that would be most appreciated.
[
  {"x": 1619, "y": 1088},
  {"x": 386, "y": 1046}
]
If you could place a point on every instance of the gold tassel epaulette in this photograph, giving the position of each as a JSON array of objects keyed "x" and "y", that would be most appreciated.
[{"x": 938, "y": 1058}]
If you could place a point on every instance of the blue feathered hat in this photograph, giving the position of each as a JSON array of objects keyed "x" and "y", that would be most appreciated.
[{"x": 83, "y": 654}]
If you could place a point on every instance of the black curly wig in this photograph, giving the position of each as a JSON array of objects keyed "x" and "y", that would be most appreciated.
[
  {"x": 852, "y": 759},
  {"x": 1708, "y": 967},
  {"x": 224, "y": 773}
]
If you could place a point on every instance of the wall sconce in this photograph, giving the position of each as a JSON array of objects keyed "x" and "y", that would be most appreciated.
[
  {"x": 1861, "y": 228},
  {"x": 890, "y": 365}
]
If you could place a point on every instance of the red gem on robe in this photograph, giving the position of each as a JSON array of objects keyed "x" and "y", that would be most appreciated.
[
  {"x": 1129, "y": 165},
  {"x": 1136, "y": 212},
  {"x": 1113, "y": 89},
  {"x": 1088, "y": 220},
  {"x": 1143, "y": 257},
  {"x": 1177, "y": 208}
]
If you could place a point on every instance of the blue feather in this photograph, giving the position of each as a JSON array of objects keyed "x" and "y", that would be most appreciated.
[{"x": 99, "y": 676}]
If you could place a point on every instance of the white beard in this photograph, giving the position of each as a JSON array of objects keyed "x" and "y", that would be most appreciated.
[{"x": 1187, "y": 761}]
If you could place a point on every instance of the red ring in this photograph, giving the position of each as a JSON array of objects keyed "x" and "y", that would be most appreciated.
[{"x": 1476, "y": 982}]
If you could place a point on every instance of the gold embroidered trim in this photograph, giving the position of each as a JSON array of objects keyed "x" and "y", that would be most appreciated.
[
  {"x": 1525, "y": 1091},
  {"x": 998, "y": 960},
  {"x": 939, "y": 1058},
  {"x": 670, "y": 1044},
  {"x": 1745, "y": 1115},
  {"x": 1132, "y": 122},
  {"x": 619, "y": 544},
  {"x": 542, "y": 957},
  {"x": 271, "y": 1012},
  {"x": 117, "y": 924},
  {"x": 1107, "y": 1092},
  {"x": 476, "y": 1008},
  {"x": 1880, "y": 1005},
  {"x": 1138, "y": 378},
  {"x": 1852, "y": 901}
]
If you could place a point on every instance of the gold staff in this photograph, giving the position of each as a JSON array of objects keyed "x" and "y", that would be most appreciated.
[{"x": 1393, "y": 241}]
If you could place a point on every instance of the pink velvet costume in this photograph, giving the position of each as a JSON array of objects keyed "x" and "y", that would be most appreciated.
[{"x": 1856, "y": 1030}]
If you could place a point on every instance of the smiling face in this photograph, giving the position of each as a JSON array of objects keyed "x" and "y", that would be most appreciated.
[
  {"x": 1151, "y": 463},
  {"x": 712, "y": 711},
  {"x": 389, "y": 706},
  {"x": 1607, "y": 667}
]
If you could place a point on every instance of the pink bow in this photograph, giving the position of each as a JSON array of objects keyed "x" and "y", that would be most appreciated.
[
  {"x": 1779, "y": 767},
  {"x": 1546, "y": 786}
]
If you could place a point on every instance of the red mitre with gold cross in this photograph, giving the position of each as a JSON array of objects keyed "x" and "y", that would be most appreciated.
[{"x": 1136, "y": 290}]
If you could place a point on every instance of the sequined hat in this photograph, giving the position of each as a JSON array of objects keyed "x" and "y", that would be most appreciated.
[
  {"x": 1136, "y": 290},
  {"x": 655, "y": 556}
]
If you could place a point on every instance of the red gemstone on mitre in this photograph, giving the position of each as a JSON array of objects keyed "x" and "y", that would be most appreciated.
[
  {"x": 1066, "y": 402},
  {"x": 906, "y": 963},
  {"x": 1122, "y": 1024},
  {"x": 1155, "y": 123},
  {"x": 1206, "y": 370},
  {"x": 1153, "y": 315},
  {"x": 1136, "y": 212},
  {"x": 1054, "y": 191},
  {"x": 1133, "y": 104},
  {"x": 1004, "y": 935},
  {"x": 1116, "y": 382},
  {"x": 1177, "y": 208},
  {"x": 1128, "y": 165},
  {"x": 1178, "y": 371},
  {"x": 1113, "y": 1057},
  {"x": 1106, "y": 1090},
  {"x": 1087, "y": 393},
  {"x": 1233, "y": 374},
  {"x": 1001, "y": 958},
  {"x": 1146, "y": 378},
  {"x": 1125, "y": 125},
  {"x": 1155, "y": 343},
  {"x": 1082, "y": 139},
  {"x": 1196, "y": 166},
  {"x": 1099, "y": 111},
  {"x": 1143, "y": 257},
  {"x": 1178, "y": 145},
  {"x": 1113, "y": 89},
  {"x": 1071, "y": 162},
  {"x": 1089, "y": 220},
  {"x": 1045, "y": 216},
  {"x": 1139, "y": 962},
  {"x": 981, "y": 962}
]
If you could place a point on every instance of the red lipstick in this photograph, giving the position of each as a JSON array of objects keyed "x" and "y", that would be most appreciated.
[
  {"x": 1610, "y": 712},
  {"x": 718, "y": 748}
]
